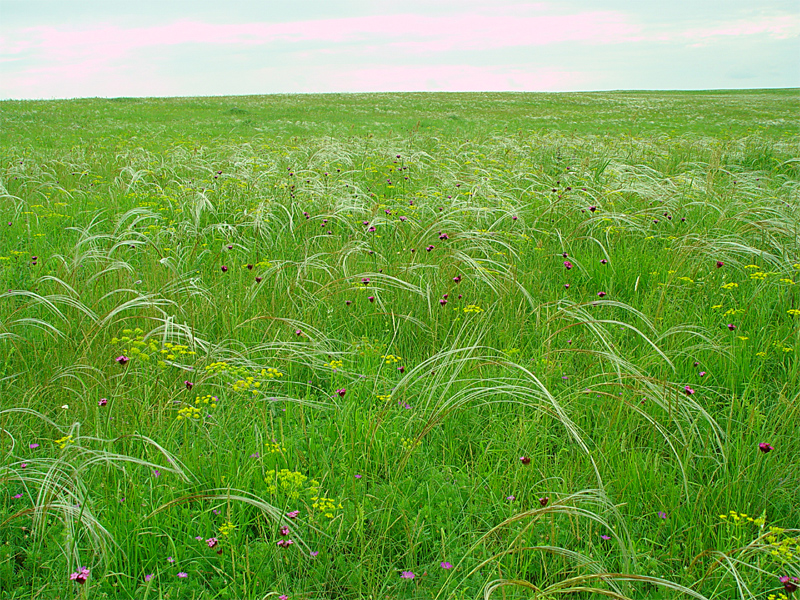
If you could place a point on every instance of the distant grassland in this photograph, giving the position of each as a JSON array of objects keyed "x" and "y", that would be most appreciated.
[{"x": 401, "y": 346}]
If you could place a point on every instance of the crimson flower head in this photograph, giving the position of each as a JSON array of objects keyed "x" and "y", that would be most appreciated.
[
  {"x": 603, "y": 261},
  {"x": 720, "y": 264},
  {"x": 189, "y": 385},
  {"x": 544, "y": 500},
  {"x": 444, "y": 236},
  {"x": 365, "y": 280},
  {"x": 284, "y": 530},
  {"x": 429, "y": 248},
  {"x": 789, "y": 583},
  {"x": 293, "y": 514},
  {"x": 250, "y": 267},
  {"x": 592, "y": 208},
  {"x": 224, "y": 269},
  {"x": 298, "y": 332},
  {"x": 568, "y": 265},
  {"x": 122, "y": 360},
  {"x": 731, "y": 326},
  {"x": 564, "y": 254},
  {"x": 102, "y": 402},
  {"x": 442, "y": 301},
  {"x": 457, "y": 279},
  {"x": 525, "y": 460},
  {"x": 81, "y": 576},
  {"x": 371, "y": 298},
  {"x": 689, "y": 391},
  {"x": 258, "y": 279},
  {"x": 212, "y": 542},
  {"x": 341, "y": 392},
  {"x": 765, "y": 447},
  {"x": 601, "y": 294}
]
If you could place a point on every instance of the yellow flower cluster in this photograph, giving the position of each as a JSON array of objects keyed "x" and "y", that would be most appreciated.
[
  {"x": 326, "y": 506},
  {"x": 64, "y": 441},
  {"x": 384, "y": 397},
  {"x": 171, "y": 351},
  {"x": 335, "y": 364},
  {"x": 410, "y": 444},
  {"x": 133, "y": 344},
  {"x": 737, "y": 518},
  {"x": 391, "y": 358},
  {"x": 759, "y": 276},
  {"x": 794, "y": 312},
  {"x": 226, "y": 528},
  {"x": 251, "y": 384},
  {"x": 223, "y": 367},
  {"x": 274, "y": 448},
  {"x": 472, "y": 308},
  {"x": 291, "y": 483},
  {"x": 193, "y": 412},
  {"x": 730, "y": 286},
  {"x": 782, "y": 547},
  {"x": 780, "y": 596}
]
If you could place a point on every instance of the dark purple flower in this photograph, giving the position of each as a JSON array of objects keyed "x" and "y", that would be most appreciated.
[
  {"x": 371, "y": 298},
  {"x": 258, "y": 279},
  {"x": 568, "y": 265},
  {"x": 224, "y": 269},
  {"x": 250, "y": 267},
  {"x": 429, "y": 248},
  {"x": 689, "y": 391},
  {"x": 601, "y": 294},
  {"x": 544, "y": 500},
  {"x": 401, "y": 368},
  {"x": 592, "y": 208},
  {"x": 720, "y": 264},
  {"x": 731, "y": 326},
  {"x": 603, "y": 261},
  {"x": 444, "y": 236},
  {"x": 189, "y": 385},
  {"x": 765, "y": 447},
  {"x": 122, "y": 360},
  {"x": 564, "y": 254},
  {"x": 284, "y": 530},
  {"x": 525, "y": 460},
  {"x": 566, "y": 285},
  {"x": 341, "y": 392},
  {"x": 457, "y": 279},
  {"x": 102, "y": 402},
  {"x": 442, "y": 301},
  {"x": 365, "y": 280},
  {"x": 348, "y": 302}
]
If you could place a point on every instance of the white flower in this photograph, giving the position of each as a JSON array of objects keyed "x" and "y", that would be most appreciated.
[{"x": 65, "y": 406}]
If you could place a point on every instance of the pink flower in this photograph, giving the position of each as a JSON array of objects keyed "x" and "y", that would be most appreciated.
[
  {"x": 719, "y": 264},
  {"x": 765, "y": 447},
  {"x": 212, "y": 542},
  {"x": 544, "y": 500},
  {"x": 689, "y": 391},
  {"x": 81, "y": 576},
  {"x": 224, "y": 269},
  {"x": 283, "y": 597},
  {"x": 731, "y": 326},
  {"x": 446, "y": 565},
  {"x": 122, "y": 360},
  {"x": 189, "y": 385},
  {"x": 183, "y": 575},
  {"x": 102, "y": 402},
  {"x": 284, "y": 530},
  {"x": 293, "y": 514},
  {"x": 601, "y": 294},
  {"x": 525, "y": 460},
  {"x": 568, "y": 265},
  {"x": 341, "y": 392},
  {"x": 406, "y": 575},
  {"x": 148, "y": 577}
]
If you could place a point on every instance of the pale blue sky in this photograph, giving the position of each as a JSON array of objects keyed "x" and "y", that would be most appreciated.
[{"x": 66, "y": 48}]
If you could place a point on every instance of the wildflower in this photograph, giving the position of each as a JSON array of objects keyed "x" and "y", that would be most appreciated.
[
  {"x": 284, "y": 530},
  {"x": 33, "y": 446},
  {"x": 564, "y": 254},
  {"x": 170, "y": 560},
  {"x": 445, "y": 565},
  {"x": 283, "y": 597},
  {"x": 358, "y": 476},
  {"x": 702, "y": 373},
  {"x": 789, "y": 583},
  {"x": 429, "y": 248},
  {"x": 122, "y": 360},
  {"x": 401, "y": 368},
  {"x": 662, "y": 514},
  {"x": 720, "y": 264},
  {"x": 23, "y": 466},
  {"x": 293, "y": 514},
  {"x": 689, "y": 391},
  {"x": 601, "y": 294},
  {"x": 258, "y": 279},
  {"x": 525, "y": 460},
  {"x": 297, "y": 332},
  {"x": 255, "y": 455},
  {"x": 189, "y": 385},
  {"x": 212, "y": 542},
  {"x": 603, "y": 261},
  {"x": 314, "y": 553},
  {"x": 102, "y": 402},
  {"x": 249, "y": 267},
  {"x": 371, "y": 298},
  {"x": 285, "y": 543},
  {"x": 605, "y": 537},
  {"x": 365, "y": 280},
  {"x": 566, "y": 286},
  {"x": 406, "y": 575},
  {"x": 17, "y": 496},
  {"x": 148, "y": 577},
  {"x": 592, "y": 208},
  {"x": 444, "y": 236},
  {"x": 81, "y": 576},
  {"x": 511, "y": 498},
  {"x": 731, "y": 326},
  {"x": 568, "y": 265},
  {"x": 224, "y": 269},
  {"x": 765, "y": 447},
  {"x": 156, "y": 473},
  {"x": 442, "y": 301},
  {"x": 457, "y": 279},
  {"x": 544, "y": 500},
  {"x": 183, "y": 575},
  {"x": 341, "y": 392}
]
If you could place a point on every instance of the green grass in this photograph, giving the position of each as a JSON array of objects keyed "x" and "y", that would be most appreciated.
[{"x": 640, "y": 410}]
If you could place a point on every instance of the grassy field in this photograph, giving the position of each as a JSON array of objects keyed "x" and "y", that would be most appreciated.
[{"x": 434, "y": 346}]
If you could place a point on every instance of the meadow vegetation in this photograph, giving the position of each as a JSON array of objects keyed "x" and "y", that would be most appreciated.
[{"x": 434, "y": 346}]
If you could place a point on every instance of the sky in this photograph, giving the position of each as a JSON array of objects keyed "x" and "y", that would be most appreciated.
[{"x": 141, "y": 48}]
